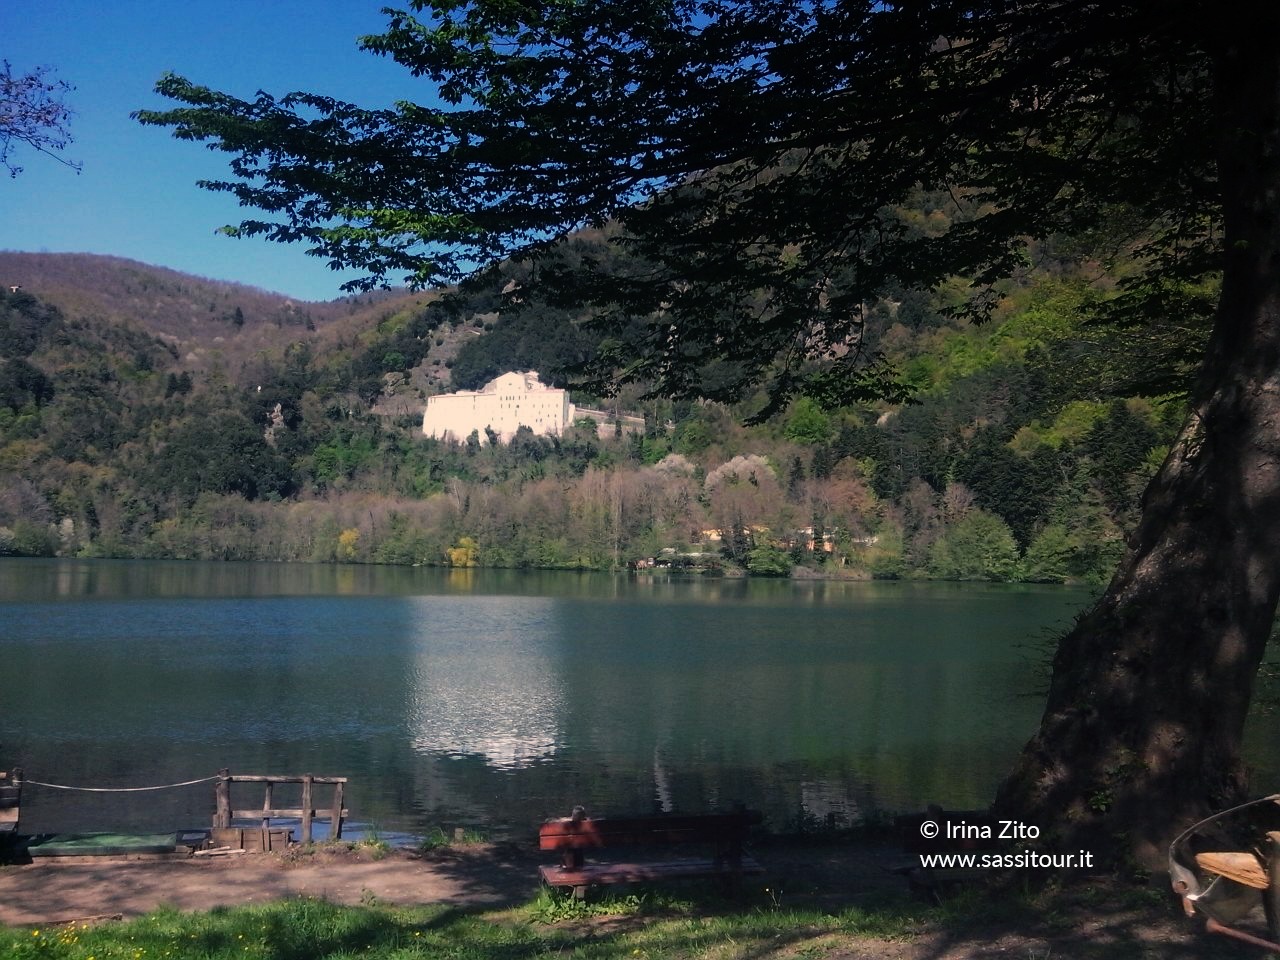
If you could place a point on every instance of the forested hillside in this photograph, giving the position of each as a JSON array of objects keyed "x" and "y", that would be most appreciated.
[{"x": 1021, "y": 455}]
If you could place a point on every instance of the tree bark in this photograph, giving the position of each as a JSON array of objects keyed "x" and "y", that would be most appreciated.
[{"x": 1142, "y": 731}]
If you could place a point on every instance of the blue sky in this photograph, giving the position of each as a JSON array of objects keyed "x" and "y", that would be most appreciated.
[{"x": 136, "y": 195}]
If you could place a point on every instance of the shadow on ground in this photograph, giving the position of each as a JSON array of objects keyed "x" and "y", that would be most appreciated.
[{"x": 831, "y": 899}]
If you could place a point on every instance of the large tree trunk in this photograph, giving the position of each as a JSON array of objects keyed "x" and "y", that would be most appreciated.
[{"x": 1150, "y": 690}]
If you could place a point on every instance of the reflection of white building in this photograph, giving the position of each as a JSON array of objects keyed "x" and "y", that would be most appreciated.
[
  {"x": 505, "y": 404},
  {"x": 485, "y": 680}
]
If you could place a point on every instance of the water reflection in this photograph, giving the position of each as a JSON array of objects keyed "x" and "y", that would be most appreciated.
[
  {"x": 500, "y": 698},
  {"x": 484, "y": 679}
]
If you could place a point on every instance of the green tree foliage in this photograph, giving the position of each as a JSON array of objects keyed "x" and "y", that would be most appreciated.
[
  {"x": 806, "y": 423},
  {"x": 30, "y": 539},
  {"x": 1087, "y": 552},
  {"x": 225, "y": 454},
  {"x": 23, "y": 386},
  {"x": 768, "y": 561},
  {"x": 536, "y": 338},
  {"x": 25, "y": 323},
  {"x": 177, "y": 384},
  {"x": 886, "y": 561},
  {"x": 1049, "y": 556},
  {"x": 692, "y": 437},
  {"x": 708, "y": 206},
  {"x": 979, "y": 547},
  {"x": 1019, "y": 489},
  {"x": 570, "y": 502},
  {"x": 1118, "y": 445},
  {"x": 344, "y": 454},
  {"x": 134, "y": 424}
]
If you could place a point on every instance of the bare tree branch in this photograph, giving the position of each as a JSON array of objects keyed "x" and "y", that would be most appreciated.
[{"x": 32, "y": 113}]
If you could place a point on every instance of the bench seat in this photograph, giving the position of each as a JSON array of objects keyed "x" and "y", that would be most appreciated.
[
  {"x": 643, "y": 871},
  {"x": 720, "y": 834}
]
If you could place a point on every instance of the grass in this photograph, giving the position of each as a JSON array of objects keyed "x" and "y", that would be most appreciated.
[
  {"x": 558, "y": 906},
  {"x": 316, "y": 930},
  {"x": 374, "y": 842},
  {"x": 437, "y": 839},
  {"x": 697, "y": 925},
  {"x": 693, "y": 922}
]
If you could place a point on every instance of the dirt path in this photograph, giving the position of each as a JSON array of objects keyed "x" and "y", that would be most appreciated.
[{"x": 43, "y": 892}]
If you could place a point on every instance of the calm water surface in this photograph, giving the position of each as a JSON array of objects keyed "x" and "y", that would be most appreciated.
[{"x": 498, "y": 698}]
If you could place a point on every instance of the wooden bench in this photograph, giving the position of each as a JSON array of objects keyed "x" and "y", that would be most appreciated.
[{"x": 722, "y": 834}]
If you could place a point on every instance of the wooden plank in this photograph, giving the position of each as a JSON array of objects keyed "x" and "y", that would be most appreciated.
[
  {"x": 336, "y": 814},
  {"x": 251, "y": 839},
  {"x": 266, "y": 806},
  {"x": 254, "y": 813},
  {"x": 276, "y": 813},
  {"x": 227, "y": 837},
  {"x": 308, "y": 808},
  {"x": 1242, "y": 867}
]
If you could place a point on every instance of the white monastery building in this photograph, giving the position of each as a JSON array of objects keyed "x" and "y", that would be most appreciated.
[{"x": 504, "y": 404}]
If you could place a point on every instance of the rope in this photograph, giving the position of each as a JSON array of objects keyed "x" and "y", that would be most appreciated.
[{"x": 163, "y": 786}]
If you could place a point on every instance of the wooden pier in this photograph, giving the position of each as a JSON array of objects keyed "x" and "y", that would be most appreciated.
[{"x": 307, "y": 813}]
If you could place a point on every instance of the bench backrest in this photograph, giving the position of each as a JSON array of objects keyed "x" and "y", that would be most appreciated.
[{"x": 586, "y": 833}]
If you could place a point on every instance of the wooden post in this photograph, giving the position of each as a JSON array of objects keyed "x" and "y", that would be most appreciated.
[
  {"x": 222, "y": 800},
  {"x": 10, "y": 800},
  {"x": 335, "y": 827},
  {"x": 266, "y": 805},
  {"x": 308, "y": 807}
]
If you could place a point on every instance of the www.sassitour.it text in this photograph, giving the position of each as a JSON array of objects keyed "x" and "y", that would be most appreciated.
[{"x": 1007, "y": 861}]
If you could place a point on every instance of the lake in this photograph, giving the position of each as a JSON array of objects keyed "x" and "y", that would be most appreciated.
[{"x": 495, "y": 699}]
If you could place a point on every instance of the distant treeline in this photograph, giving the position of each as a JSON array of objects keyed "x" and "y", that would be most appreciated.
[{"x": 1022, "y": 456}]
